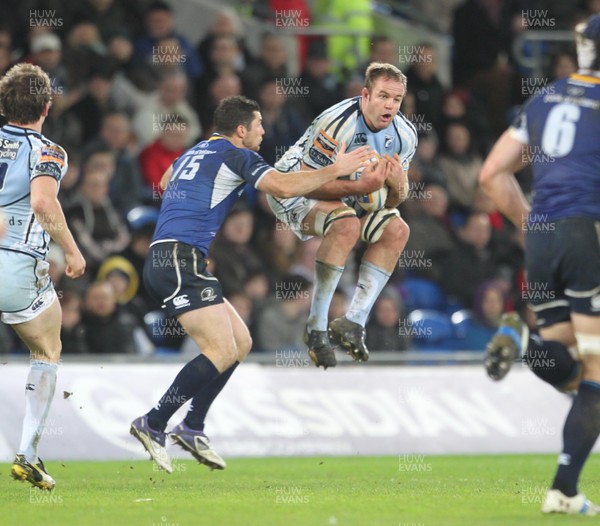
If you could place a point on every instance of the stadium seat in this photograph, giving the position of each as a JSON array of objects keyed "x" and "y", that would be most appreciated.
[
  {"x": 470, "y": 334},
  {"x": 164, "y": 332},
  {"x": 462, "y": 322},
  {"x": 419, "y": 293},
  {"x": 141, "y": 216},
  {"x": 431, "y": 330}
]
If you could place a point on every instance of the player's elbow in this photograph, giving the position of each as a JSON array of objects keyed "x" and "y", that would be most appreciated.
[
  {"x": 276, "y": 187},
  {"x": 40, "y": 204},
  {"x": 486, "y": 176}
]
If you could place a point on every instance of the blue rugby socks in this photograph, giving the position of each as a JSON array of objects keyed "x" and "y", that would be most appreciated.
[
  {"x": 204, "y": 398},
  {"x": 581, "y": 430},
  {"x": 195, "y": 376}
]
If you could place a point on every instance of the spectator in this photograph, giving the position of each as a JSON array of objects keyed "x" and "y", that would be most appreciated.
[
  {"x": 46, "y": 52},
  {"x": 423, "y": 81},
  {"x": 383, "y": 332},
  {"x": 459, "y": 106},
  {"x": 461, "y": 166},
  {"x": 272, "y": 63},
  {"x": 488, "y": 307},
  {"x": 482, "y": 55},
  {"x": 223, "y": 59},
  {"x": 321, "y": 85},
  {"x": 108, "y": 329},
  {"x": 163, "y": 108},
  {"x": 222, "y": 87},
  {"x": 282, "y": 322},
  {"x": 84, "y": 51},
  {"x": 108, "y": 16},
  {"x": 135, "y": 78},
  {"x": 97, "y": 100},
  {"x": 160, "y": 25},
  {"x": 142, "y": 221},
  {"x": 282, "y": 122},
  {"x": 72, "y": 331},
  {"x": 126, "y": 184},
  {"x": 69, "y": 183},
  {"x": 431, "y": 240},
  {"x": 279, "y": 250},
  {"x": 426, "y": 164},
  {"x": 471, "y": 261},
  {"x": 235, "y": 259},
  {"x": 94, "y": 221},
  {"x": 158, "y": 156},
  {"x": 226, "y": 23}
]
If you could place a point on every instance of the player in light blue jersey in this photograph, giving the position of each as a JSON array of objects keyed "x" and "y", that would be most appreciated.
[
  {"x": 374, "y": 119},
  {"x": 558, "y": 133},
  {"x": 203, "y": 185},
  {"x": 31, "y": 168}
]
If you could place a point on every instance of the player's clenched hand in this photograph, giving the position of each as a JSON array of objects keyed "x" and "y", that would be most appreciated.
[
  {"x": 373, "y": 176},
  {"x": 346, "y": 163},
  {"x": 396, "y": 179},
  {"x": 75, "y": 264}
]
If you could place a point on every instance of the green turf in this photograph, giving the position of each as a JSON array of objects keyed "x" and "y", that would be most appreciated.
[{"x": 359, "y": 491}]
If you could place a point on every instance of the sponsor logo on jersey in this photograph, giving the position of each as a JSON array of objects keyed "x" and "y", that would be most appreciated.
[
  {"x": 9, "y": 149},
  {"x": 52, "y": 154},
  {"x": 181, "y": 301},
  {"x": 360, "y": 138},
  {"x": 595, "y": 301},
  {"x": 388, "y": 141},
  {"x": 29, "y": 387},
  {"x": 208, "y": 294}
]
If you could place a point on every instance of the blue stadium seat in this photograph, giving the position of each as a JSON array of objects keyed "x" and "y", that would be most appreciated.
[
  {"x": 141, "y": 216},
  {"x": 431, "y": 330},
  {"x": 470, "y": 334},
  {"x": 462, "y": 321},
  {"x": 164, "y": 332},
  {"x": 419, "y": 293}
]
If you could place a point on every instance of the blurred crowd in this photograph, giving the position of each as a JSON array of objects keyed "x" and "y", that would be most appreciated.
[{"x": 131, "y": 93}]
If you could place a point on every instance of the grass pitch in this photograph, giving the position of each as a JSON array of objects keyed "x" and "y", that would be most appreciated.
[{"x": 411, "y": 490}]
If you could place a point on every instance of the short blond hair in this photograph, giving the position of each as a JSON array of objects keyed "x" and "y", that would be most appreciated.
[
  {"x": 377, "y": 70},
  {"x": 24, "y": 92}
]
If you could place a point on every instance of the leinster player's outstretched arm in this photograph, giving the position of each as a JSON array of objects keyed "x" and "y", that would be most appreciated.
[{"x": 280, "y": 184}]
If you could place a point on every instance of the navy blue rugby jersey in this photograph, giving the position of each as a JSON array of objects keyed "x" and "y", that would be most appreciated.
[
  {"x": 561, "y": 125},
  {"x": 206, "y": 182}
]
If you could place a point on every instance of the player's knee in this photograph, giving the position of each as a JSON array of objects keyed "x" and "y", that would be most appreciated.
[
  {"x": 396, "y": 235},
  {"x": 346, "y": 229},
  {"x": 244, "y": 345},
  {"x": 589, "y": 350}
]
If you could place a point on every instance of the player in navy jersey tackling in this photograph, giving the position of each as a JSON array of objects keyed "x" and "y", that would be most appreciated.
[
  {"x": 374, "y": 119},
  {"x": 203, "y": 185},
  {"x": 558, "y": 133},
  {"x": 31, "y": 168}
]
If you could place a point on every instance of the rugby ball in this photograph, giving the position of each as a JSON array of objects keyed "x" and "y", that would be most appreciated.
[{"x": 375, "y": 200}]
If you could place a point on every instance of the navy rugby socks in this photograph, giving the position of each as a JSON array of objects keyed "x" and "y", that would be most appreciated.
[
  {"x": 195, "y": 375},
  {"x": 581, "y": 430},
  {"x": 204, "y": 398}
]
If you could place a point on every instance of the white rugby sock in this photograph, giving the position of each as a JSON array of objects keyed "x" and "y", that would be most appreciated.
[
  {"x": 327, "y": 277},
  {"x": 39, "y": 392},
  {"x": 371, "y": 280}
]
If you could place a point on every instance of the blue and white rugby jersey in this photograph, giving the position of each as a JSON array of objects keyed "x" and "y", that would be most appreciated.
[
  {"x": 561, "y": 125},
  {"x": 344, "y": 123},
  {"x": 24, "y": 155},
  {"x": 206, "y": 182}
]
